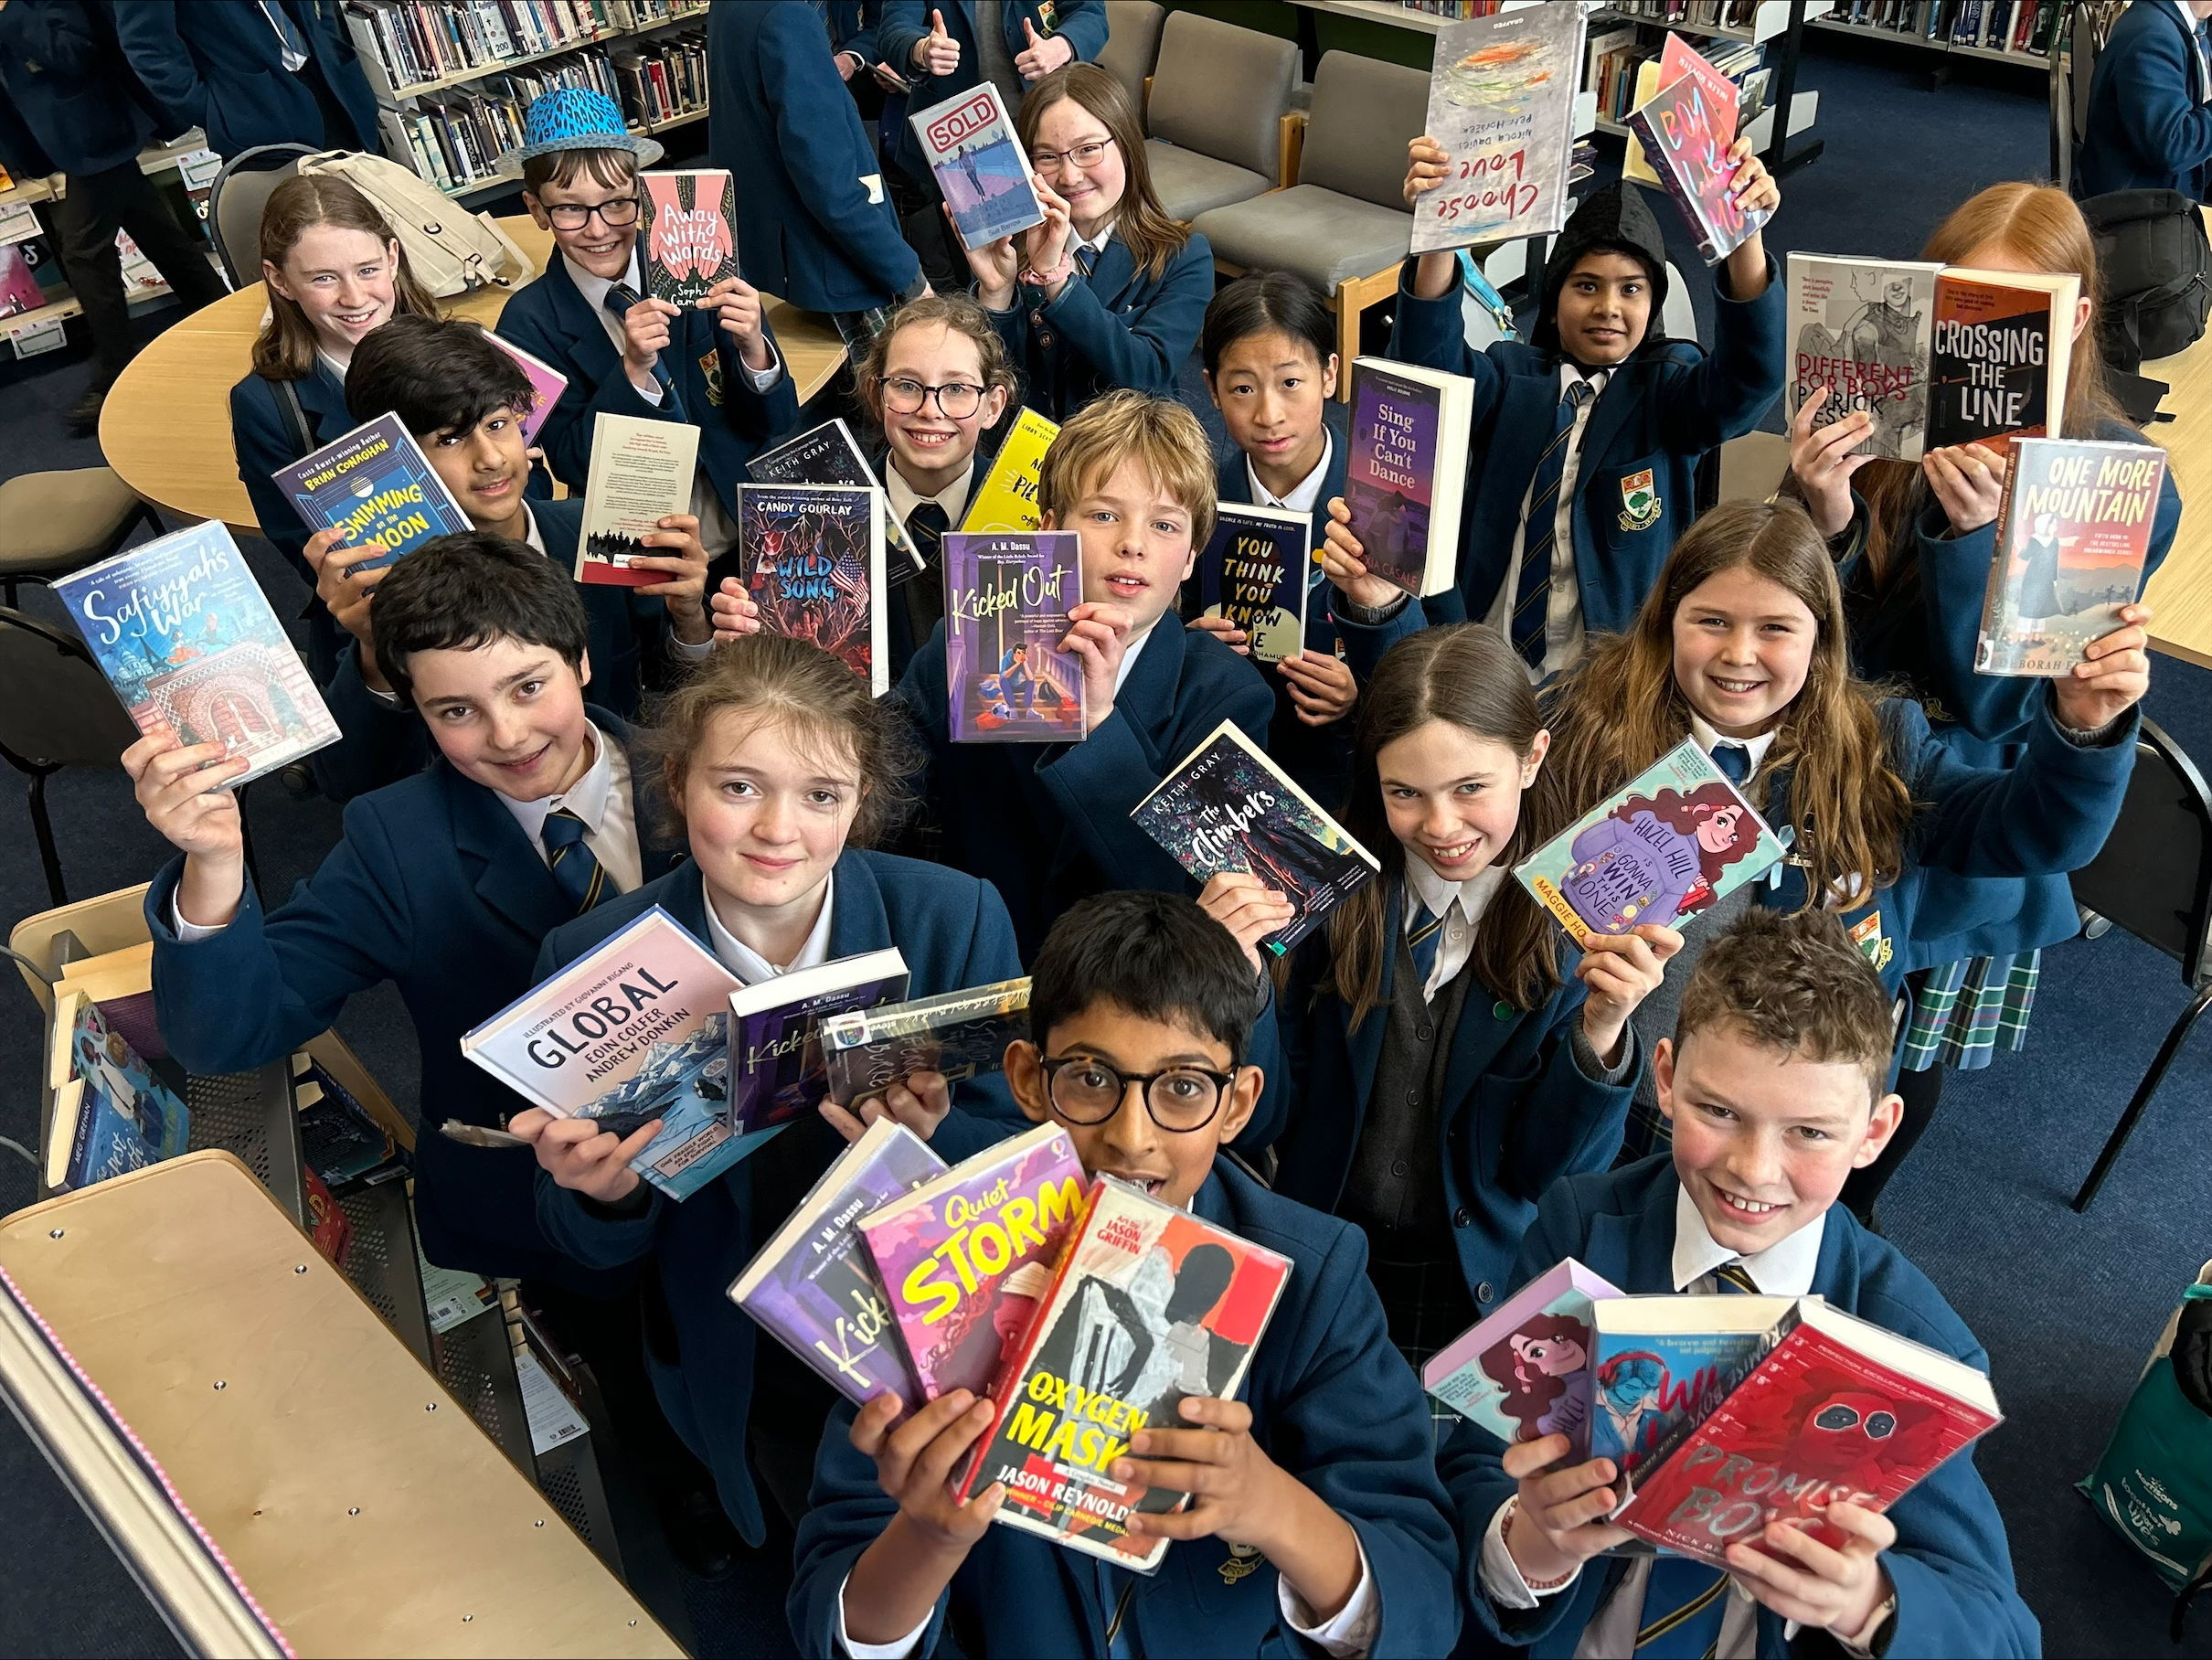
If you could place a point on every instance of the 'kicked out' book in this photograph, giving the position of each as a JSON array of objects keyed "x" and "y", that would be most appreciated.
[
  {"x": 640, "y": 473},
  {"x": 1860, "y": 338},
  {"x": 774, "y": 1033},
  {"x": 979, "y": 165},
  {"x": 1406, "y": 470},
  {"x": 1998, "y": 366},
  {"x": 691, "y": 241},
  {"x": 960, "y": 1033},
  {"x": 826, "y": 454},
  {"x": 1524, "y": 1373},
  {"x": 813, "y": 565},
  {"x": 1006, "y": 499},
  {"x": 376, "y": 484},
  {"x": 1502, "y": 103},
  {"x": 1007, "y": 596},
  {"x": 1253, "y": 573}
]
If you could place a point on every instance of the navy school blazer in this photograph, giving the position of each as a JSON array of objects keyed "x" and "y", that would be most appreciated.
[
  {"x": 1081, "y": 23},
  {"x": 71, "y": 98},
  {"x": 1116, "y": 328},
  {"x": 2148, "y": 127},
  {"x": 953, "y": 933},
  {"x": 433, "y": 886},
  {"x": 1332, "y": 1402},
  {"x": 222, "y": 68},
  {"x": 1051, "y": 822},
  {"x": 1952, "y": 1571}
]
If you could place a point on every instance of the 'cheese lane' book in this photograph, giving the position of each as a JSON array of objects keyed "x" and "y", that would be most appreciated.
[
  {"x": 182, "y": 632},
  {"x": 1525, "y": 1372},
  {"x": 1502, "y": 103},
  {"x": 813, "y": 565},
  {"x": 826, "y": 454},
  {"x": 640, "y": 473},
  {"x": 546, "y": 383},
  {"x": 812, "y": 1286},
  {"x": 112, "y": 1113},
  {"x": 774, "y": 1033},
  {"x": 1997, "y": 369},
  {"x": 1150, "y": 1306},
  {"x": 1227, "y": 806},
  {"x": 1008, "y": 595},
  {"x": 1406, "y": 470},
  {"x": 2073, "y": 536},
  {"x": 1862, "y": 331},
  {"x": 959, "y": 1034},
  {"x": 1254, "y": 573},
  {"x": 1660, "y": 1364},
  {"x": 1006, "y": 499},
  {"x": 1686, "y": 130},
  {"x": 691, "y": 241},
  {"x": 1679, "y": 837},
  {"x": 377, "y": 485},
  {"x": 980, "y": 168}
]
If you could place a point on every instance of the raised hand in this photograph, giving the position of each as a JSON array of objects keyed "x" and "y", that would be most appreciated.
[
  {"x": 2114, "y": 675},
  {"x": 1823, "y": 460},
  {"x": 1247, "y": 907},
  {"x": 937, "y": 53},
  {"x": 1322, "y": 687},
  {"x": 1343, "y": 560},
  {"x": 1969, "y": 480},
  {"x": 1621, "y": 972},
  {"x": 1559, "y": 1522}
]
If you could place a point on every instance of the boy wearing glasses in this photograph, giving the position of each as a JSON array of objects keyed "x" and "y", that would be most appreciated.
[{"x": 1316, "y": 1517}]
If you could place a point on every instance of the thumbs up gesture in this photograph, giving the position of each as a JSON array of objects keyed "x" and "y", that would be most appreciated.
[
  {"x": 937, "y": 53},
  {"x": 1043, "y": 55}
]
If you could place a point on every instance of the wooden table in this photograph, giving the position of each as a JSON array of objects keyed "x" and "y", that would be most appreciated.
[
  {"x": 2181, "y": 593},
  {"x": 165, "y": 426}
]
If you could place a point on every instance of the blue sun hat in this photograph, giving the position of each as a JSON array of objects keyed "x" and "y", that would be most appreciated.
[{"x": 576, "y": 118}]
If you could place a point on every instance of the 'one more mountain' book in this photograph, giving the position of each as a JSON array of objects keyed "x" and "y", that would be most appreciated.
[
  {"x": 377, "y": 485},
  {"x": 1524, "y": 1373},
  {"x": 1253, "y": 573},
  {"x": 813, "y": 1287},
  {"x": 691, "y": 241},
  {"x": 1227, "y": 806},
  {"x": 1150, "y": 1306},
  {"x": 1685, "y": 129},
  {"x": 1998, "y": 364},
  {"x": 959, "y": 1034},
  {"x": 112, "y": 1113},
  {"x": 826, "y": 454},
  {"x": 1678, "y": 837},
  {"x": 640, "y": 473},
  {"x": 1006, "y": 499},
  {"x": 546, "y": 381},
  {"x": 813, "y": 565},
  {"x": 1861, "y": 331},
  {"x": 1406, "y": 470},
  {"x": 1008, "y": 595},
  {"x": 183, "y": 635},
  {"x": 979, "y": 168},
  {"x": 1501, "y": 102},
  {"x": 1663, "y": 1363},
  {"x": 2073, "y": 535},
  {"x": 774, "y": 1033}
]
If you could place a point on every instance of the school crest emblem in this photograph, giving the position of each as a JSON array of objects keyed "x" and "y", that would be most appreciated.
[
  {"x": 1639, "y": 501},
  {"x": 1044, "y": 17},
  {"x": 711, "y": 366},
  {"x": 1243, "y": 1561},
  {"x": 1867, "y": 935}
]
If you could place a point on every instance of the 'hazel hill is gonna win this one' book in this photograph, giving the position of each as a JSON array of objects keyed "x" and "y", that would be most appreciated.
[
  {"x": 1008, "y": 595},
  {"x": 376, "y": 484},
  {"x": 813, "y": 566},
  {"x": 1524, "y": 1373}
]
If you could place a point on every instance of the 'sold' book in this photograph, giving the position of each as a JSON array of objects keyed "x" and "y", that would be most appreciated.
[
  {"x": 1502, "y": 103},
  {"x": 1406, "y": 470},
  {"x": 1686, "y": 130},
  {"x": 691, "y": 242},
  {"x": 1006, "y": 499},
  {"x": 1860, "y": 331},
  {"x": 640, "y": 473},
  {"x": 1253, "y": 573},
  {"x": 775, "y": 1042},
  {"x": 980, "y": 168},
  {"x": 1007, "y": 596},
  {"x": 813, "y": 566},
  {"x": 828, "y": 454},
  {"x": 376, "y": 486},
  {"x": 1525, "y": 1372},
  {"x": 958, "y": 1034},
  {"x": 547, "y": 385},
  {"x": 2003, "y": 341},
  {"x": 1662, "y": 1362}
]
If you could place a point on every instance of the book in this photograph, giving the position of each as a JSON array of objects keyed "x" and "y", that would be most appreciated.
[
  {"x": 182, "y": 632},
  {"x": 1677, "y": 58},
  {"x": 546, "y": 381},
  {"x": 339, "y": 1140},
  {"x": 111, "y": 1114},
  {"x": 960, "y": 1033},
  {"x": 640, "y": 473},
  {"x": 326, "y": 1222},
  {"x": 980, "y": 168},
  {"x": 1254, "y": 573},
  {"x": 813, "y": 565},
  {"x": 774, "y": 1029},
  {"x": 1008, "y": 595},
  {"x": 826, "y": 454},
  {"x": 20, "y": 290},
  {"x": 1524, "y": 1373},
  {"x": 1228, "y": 806},
  {"x": 691, "y": 241},
  {"x": 1863, "y": 331},
  {"x": 1502, "y": 103},
  {"x": 1406, "y": 470},
  {"x": 2072, "y": 534},
  {"x": 1662, "y": 1362},
  {"x": 1997, "y": 365},
  {"x": 376, "y": 484},
  {"x": 1676, "y": 838},
  {"x": 1150, "y": 1306},
  {"x": 964, "y": 1257},
  {"x": 1685, "y": 129},
  {"x": 812, "y": 1286},
  {"x": 1838, "y": 1410},
  {"x": 1006, "y": 499},
  {"x": 121, "y": 984}
]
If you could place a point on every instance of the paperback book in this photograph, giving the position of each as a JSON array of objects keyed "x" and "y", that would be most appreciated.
[
  {"x": 1227, "y": 806},
  {"x": 1008, "y": 595},
  {"x": 640, "y": 473},
  {"x": 111, "y": 1114},
  {"x": 1253, "y": 573},
  {"x": 813, "y": 565},
  {"x": 826, "y": 454},
  {"x": 547, "y": 385},
  {"x": 980, "y": 168},
  {"x": 1861, "y": 332},
  {"x": 376, "y": 486},
  {"x": 1502, "y": 103},
  {"x": 1663, "y": 1363},
  {"x": 2002, "y": 343},
  {"x": 691, "y": 241},
  {"x": 121, "y": 984},
  {"x": 1006, "y": 499},
  {"x": 775, "y": 1039},
  {"x": 339, "y": 1140},
  {"x": 1686, "y": 129},
  {"x": 1525, "y": 1372},
  {"x": 182, "y": 632},
  {"x": 1406, "y": 470},
  {"x": 1677, "y": 838},
  {"x": 960, "y": 1033}
]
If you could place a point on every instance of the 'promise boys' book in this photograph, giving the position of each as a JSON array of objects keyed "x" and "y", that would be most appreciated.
[
  {"x": 826, "y": 454},
  {"x": 959, "y": 1034},
  {"x": 774, "y": 1033},
  {"x": 1406, "y": 470},
  {"x": 1006, "y": 499},
  {"x": 1524, "y": 1373},
  {"x": 979, "y": 168},
  {"x": 1862, "y": 331},
  {"x": 1502, "y": 103},
  {"x": 1662, "y": 1362},
  {"x": 641, "y": 472},
  {"x": 1687, "y": 128},
  {"x": 1254, "y": 573},
  {"x": 1007, "y": 596},
  {"x": 691, "y": 241},
  {"x": 377, "y": 485},
  {"x": 813, "y": 566},
  {"x": 2003, "y": 341}
]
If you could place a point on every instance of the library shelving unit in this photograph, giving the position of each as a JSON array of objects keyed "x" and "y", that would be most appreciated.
[{"x": 1988, "y": 29}]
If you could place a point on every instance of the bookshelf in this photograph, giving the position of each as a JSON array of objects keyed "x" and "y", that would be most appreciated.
[{"x": 1936, "y": 25}]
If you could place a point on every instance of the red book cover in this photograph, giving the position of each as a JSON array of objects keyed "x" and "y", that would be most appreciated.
[
  {"x": 1998, "y": 364},
  {"x": 326, "y": 1224}
]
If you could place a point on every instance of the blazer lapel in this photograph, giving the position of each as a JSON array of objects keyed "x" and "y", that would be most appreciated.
[
  {"x": 1114, "y": 274},
  {"x": 858, "y": 924},
  {"x": 1615, "y": 407},
  {"x": 1151, "y": 687},
  {"x": 1475, "y": 1043},
  {"x": 1363, "y": 1043},
  {"x": 323, "y": 397},
  {"x": 588, "y": 343},
  {"x": 686, "y": 903},
  {"x": 508, "y": 875}
]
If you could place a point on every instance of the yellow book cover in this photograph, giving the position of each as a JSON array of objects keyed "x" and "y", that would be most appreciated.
[
  {"x": 1007, "y": 500},
  {"x": 1633, "y": 164}
]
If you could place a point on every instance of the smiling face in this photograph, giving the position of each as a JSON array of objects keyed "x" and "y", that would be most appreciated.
[
  {"x": 344, "y": 281},
  {"x": 1717, "y": 832},
  {"x": 927, "y": 445},
  {"x": 508, "y": 715},
  {"x": 601, "y": 249},
  {"x": 486, "y": 468},
  {"x": 1604, "y": 308},
  {"x": 768, "y": 810},
  {"x": 1271, "y": 390},
  {"x": 1092, "y": 192},
  {"x": 1743, "y": 646},
  {"x": 1136, "y": 543},
  {"x": 1454, "y": 798}
]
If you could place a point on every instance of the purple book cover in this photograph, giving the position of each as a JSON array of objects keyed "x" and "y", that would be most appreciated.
[
  {"x": 547, "y": 385},
  {"x": 1008, "y": 595},
  {"x": 1388, "y": 473},
  {"x": 776, "y": 1053}
]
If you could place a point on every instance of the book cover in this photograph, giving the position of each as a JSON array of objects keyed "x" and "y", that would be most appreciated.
[
  {"x": 1679, "y": 837},
  {"x": 1998, "y": 361},
  {"x": 326, "y": 1223},
  {"x": 1008, "y": 595},
  {"x": 1150, "y": 1306},
  {"x": 964, "y": 1257},
  {"x": 1006, "y": 499},
  {"x": 182, "y": 632},
  {"x": 339, "y": 1140},
  {"x": 981, "y": 170},
  {"x": 813, "y": 564},
  {"x": 121, "y": 983},
  {"x": 1524, "y": 1373},
  {"x": 813, "y": 1287},
  {"x": 2073, "y": 535},
  {"x": 20, "y": 290},
  {"x": 548, "y": 382},
  {"x": 1862, "y": 330},
  {"x": 114, "y": 1115},
  {"x": 1254, "y": 573},
  {"x": 1408, "y": 451},
  {"x": 828, "y": 454},
  {"x": 1686, "y": 130},
  {"x": 960, "y": 1033},
  {"x": 1657, "y": 1370},
  {"x": 775, "y": 1033},
  {"x": 377, "y": 485},
  {"x": 1225, "y": 806},
  {"x": 1501, "y": 102},
  {"x": 640, "y": 473},
  {"x": 691, "y": 241}
]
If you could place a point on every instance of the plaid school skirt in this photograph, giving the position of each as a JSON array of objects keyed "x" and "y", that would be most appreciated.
[{"x": 1964, "y": 1012}]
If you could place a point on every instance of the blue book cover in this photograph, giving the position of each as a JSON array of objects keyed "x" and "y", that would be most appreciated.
[
  {"x": 1255, "y": 573},
  {"x": 124, "y": 1118},
  {"x": 376, "y": 484},
  {"x": 1662, "y": 1363},
  {"x": 979, "y": 165},
  {"x": 185, "y": 635}
]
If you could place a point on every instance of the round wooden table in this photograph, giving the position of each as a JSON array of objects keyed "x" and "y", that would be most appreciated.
[{"x": 165, "y": 426}]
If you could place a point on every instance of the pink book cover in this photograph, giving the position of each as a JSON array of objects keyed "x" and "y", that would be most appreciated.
[
  {"x": 964, "y": 1259},
  {"x": 546, "y": 380},
  {"x": 692, "y": 241}
]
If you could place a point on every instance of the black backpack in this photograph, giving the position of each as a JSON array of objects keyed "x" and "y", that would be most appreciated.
[{"x": 2157, "y": 271}]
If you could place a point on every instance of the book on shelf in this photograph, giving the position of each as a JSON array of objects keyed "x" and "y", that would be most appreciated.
[
  {"x": 121, "y": 984},
  {"x": 690, "y": 239},
  {"x": 1861, "y": 331},
  {"x": 813, "y": 558},
  {"x": 1406, "y": 470},
  {"x": 961, "y": 1035},
  {"x": 1006, "y": 499},
  {"x": 1525, "y": 1372},
  {"x": 1501, "y": 104},
  {"x": 1253, "y": 574},
  {"x": 640, "y": 473},
  {"x": 1007, "y": 596},
  {"x": 664, "y": 79},
  {"x": 374, "y": 484},
  {"x": 1686, "y": 129},
  {"x": 980, "y": 168},
  {"x": 775, "y": 1044},
  {"x": 111, "y": 1114},
  {"x": 1660, "y": 1364},
  {"x": 1998, "y": 366},
  {"x": 547, "y": 385},
  {"x": 338, "y": 1138},
  {"x": 181, "y": 631},
  {"x": 828, "y": 454}
]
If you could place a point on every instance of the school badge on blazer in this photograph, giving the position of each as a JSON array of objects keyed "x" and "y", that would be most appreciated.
[
  {"x": 711, "y": 366},
  {"x": 1867, "y": 935},
  {"x": 1243, "y": 1561},
  {"x": 1639, "y": 502}
]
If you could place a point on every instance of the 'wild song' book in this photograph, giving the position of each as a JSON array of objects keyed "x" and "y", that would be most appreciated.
[
  {"x": 111, "y": 1114},
  {"x": 691, "y": 241},
  {"x": 1502, "y": 103},
  {"x": 377, "y": 485},
  {"x": 774, "y": 1033},
  {"x": 979, "y": 165},
  {"x": 826, "y": 454},
  {"x": 640, "y": 473},
  {"x": 813, "y": 566},
  {"x": 1254, "y": 573},
  {"x": 1686, "y": 130},
  {"x": 1007, "y": 596},
  {"x": 1006, "y": 499},
  {"x": 1662, "y": 1362},
  {"x": 1862, "y": 330},
  {"x": 1406, "y": 470},
  {"x": 2003, "y": 341},
  {"x": 1524, "y": 1373},
  {"x": 958, "y": 1034}
]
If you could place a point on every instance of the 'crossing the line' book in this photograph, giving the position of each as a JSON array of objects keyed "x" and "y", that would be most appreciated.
[
  {"x": 1863, "y": 331},
  {"x": 1406, "y": 470},
  {"x": 2003, "y": 342},
  {"x": 1007, "y": 596},
  {"x": 1254, "y": 573},
  {"x": 640, "y": 473},
  {"x": 979, "y": 165},
  {"x": 813, "y": 566},
  {"x": 376, "y": 484},
  {"x": 1502, "y": 103},
  {"x": 691, "y": 241}
]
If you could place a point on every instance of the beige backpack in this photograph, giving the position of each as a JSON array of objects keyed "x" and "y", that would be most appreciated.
[{"x": 450, "y": 250}]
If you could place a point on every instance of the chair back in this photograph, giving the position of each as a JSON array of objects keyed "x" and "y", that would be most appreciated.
[
  {"x": 1222, "y": 92},
  {"x": 1365, "y": 112},
  {"x": 57, "y": 708},
  {"x": 235, "y": 199},
  {"x": 2154, "y": 874},
  {"x": 1132, "y": 42}
]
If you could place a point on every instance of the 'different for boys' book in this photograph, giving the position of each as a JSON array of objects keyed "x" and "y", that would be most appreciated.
[
  {"x": 1253, "y": 573},
  {"x": 1502, "y": 103},
  {"x": 1007, "y": 596},
  {"x": 182, "y": 632},
  {"x": 826, "y": 454},
  {"x": 1861, "y": 333},
  {"x": 775, "y": 1041},
  {"x": 691, "y": 241},
  {"x": 377, "y": 485},
  {"x": 1406, "y": 470},
  {"x": 814, "y": 567},
  {"x": 979, "y": 168},
  {"x": 1525, "y": 1372},
  {"x": 960, "y": 1034}
]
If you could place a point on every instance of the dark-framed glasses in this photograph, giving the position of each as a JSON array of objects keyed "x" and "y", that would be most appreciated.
[
  {"x": 575, "y": 216},
  {"x": 956, "y": 399},
  {"x": 1085, "y": 1090}
]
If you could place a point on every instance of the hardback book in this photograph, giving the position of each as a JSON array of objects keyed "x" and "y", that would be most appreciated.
[
  {"x": 775, "y": 1040},
  {"x": 1998, "y": 364},
  {"x": 826, "y": 454},
  {"x": 813, "y": 1287},
  {"x": 111, "y": 1114},
  {"x": 691, "y": 241},
  {"x": 1502, "y": 103},
  {"x": 980, "y": 168},
  {"x": 640, "y": 473},
  {"x": 1524, "y": 1373},
  {"x": 1663, "y": 1363},
  {"x": 813, "y": 565},
  {"x": 1686, "y": 130},
  {"x": 959, "y": 1034},
  {"x": 1253, "y": 573},
  {"x": 1839, "y": 1410},
  {"x": 1678, "y": 837},
  {"x": 964, "y": 1257},
  {"x": 1227, "y": 806},
  {"x": 2073, "y": 535},
  {"x": 377, "y": 485},
  {"x": 546, "y": 381},
  {"x": 1008, "y": 595},
  {"x": 182, "y": 632},
  {"x": 1406, "y": 470},
  {"x": 1150, "y": 1306},
  {"x": 1006, "y": 499},
  {"x": 1861, "y": 331}
]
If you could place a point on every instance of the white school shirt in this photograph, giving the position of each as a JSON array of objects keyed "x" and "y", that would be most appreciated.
[
  {"x": 1305, "y": 495},
  {"x": 1708, "y": 739},
  {"x": 2196, "y": 45},
  {"x": 749, "y": 965},
  {"x": 1563, "y": 600},
  {"x": 904, "y": 498},
  {"x": 1459, "y": 904}
]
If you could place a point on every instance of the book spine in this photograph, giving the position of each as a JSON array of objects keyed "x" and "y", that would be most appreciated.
[{"x": 1663, "y": 163}]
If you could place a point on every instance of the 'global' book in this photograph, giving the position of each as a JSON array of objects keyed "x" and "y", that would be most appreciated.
[
  {"x": 826, "y": 454},
  {"x": 1998, "y": 365},
  {"x": 1686, "y": 131},
  {"x": 980, "y": 168},
  {"x": 1662, "y": 1362},
  {"x": 640, "y": 473},
  {"x": 959, "y": 1034},
  {"x": 1406, "y": 470},
  {"x": 775, "y": 1033},
  {"x": 813, "y": 565},
  {"x": 1006, "y": 499},
  {"x": 691, "y": 241},
  {"x": 1254, "y": 574},
  {"x": 1861, "y": 333},
  {"x": 1501, "y": 102},
  {"x": 1525, "y": 1372},
  {"x": 111, "y": 1114},
  {"x": 1007, "y": 596},
  {"x": 377, "y": 485}
]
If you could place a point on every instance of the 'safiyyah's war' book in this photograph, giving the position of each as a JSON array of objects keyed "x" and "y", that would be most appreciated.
[
  {"x": 1662, "y": 1362},
  {"x": 691, "y": 241},
  {"x": 1006, "y": 499},
  {"x": 640, "y": 473},
  {"x": 1998, "y": 365},
  {"x": 2073, "y": 536},
  {"x": 1686, "y": 129},
  {"x": 774, "y": 1033},
  {"x": 813, "y": 566},
  {"x": 1227, "y": 806},
  {"x": 377, "y": 485},
  {"x": 1406, "y": 470},
  {"x": 112, "y": 1113},
  {"x": 1502, "y": 103},
  {"x": 546, "y": 381},
  {"x": 1524, "y": 1373},
  {"x": 182, "y": 632},
  {"x": 979, "y": 165},
  {"x": 958, "y": 1034},
  {"x": 826, "y": 454},
  {"x": 1253, "y": 573},
  {"x": 1862, "y": 330},
  {"x": 1008, "y": 595}
]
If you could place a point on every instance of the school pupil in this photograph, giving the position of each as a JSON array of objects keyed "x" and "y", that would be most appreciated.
[
  {"x": 1775, "y": 1081},
  {"x": 1141, "y": 1012}
]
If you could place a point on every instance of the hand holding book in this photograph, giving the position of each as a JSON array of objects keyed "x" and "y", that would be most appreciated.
[
  {"x": 184, "y": 789},
  {"x": 1620, "y": 971},
  {"x": 582, "y": 1155},
  {"x": 2113, "y": 676},
  {"x": 645, "y": 337},
  {"x": 1559, "y": 1520},
  {"x": 1803, "y": 1579},
  {"x": 346, "y": 580},
  {"x": 897, "y": 1579},
  {"x": 1097, "y": 638},
  {"x": 1345, "y": 561},
  {"x": 1247, "y": 907},
  {"x": 684, "y": 562},
  {"x": 737, "y": 311},
  {"x": 1323, "y": 688},
  {"x": 1824, "y": 458},
  {"x": 920, "y": 1100}
]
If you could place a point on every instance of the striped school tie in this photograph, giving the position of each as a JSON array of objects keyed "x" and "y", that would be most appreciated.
[
  {"x": 1733, "y": 760},
  {"x": 1537, "y": 530},
  {"x": 577, "y": 871},
  {"x": 1423, "y": 937},
  {"x": 618, "y": 300}
]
